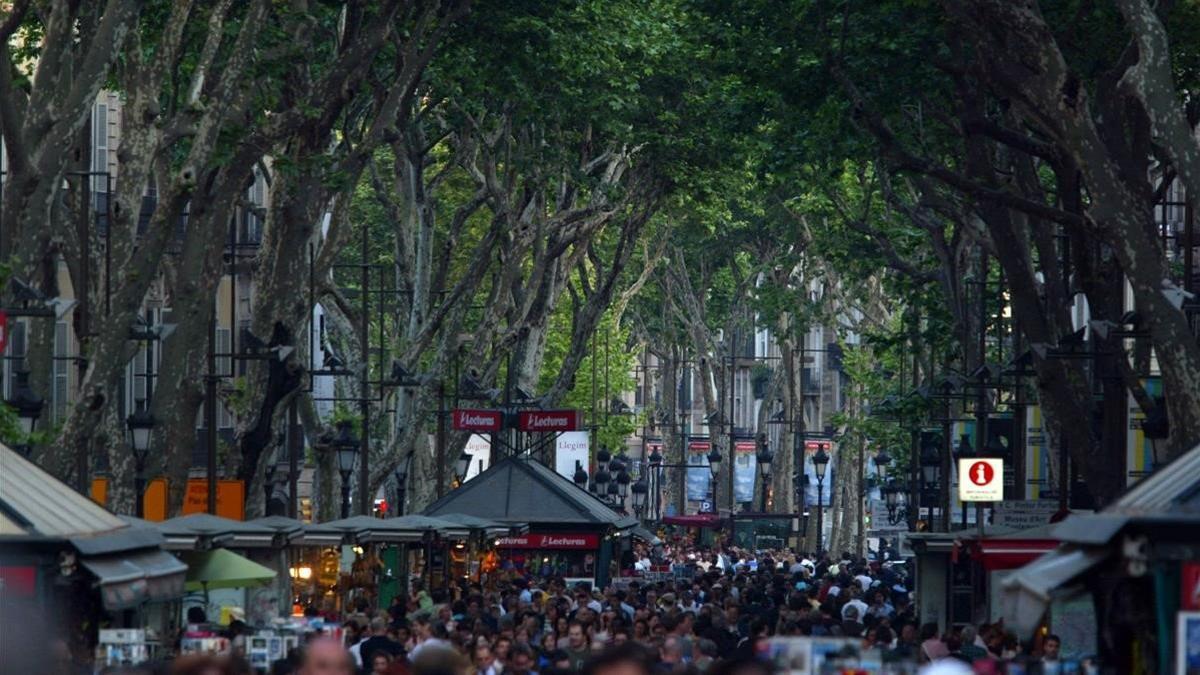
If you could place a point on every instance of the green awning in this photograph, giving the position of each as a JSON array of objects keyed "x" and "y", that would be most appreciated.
[{"x": 222, "y": 568}]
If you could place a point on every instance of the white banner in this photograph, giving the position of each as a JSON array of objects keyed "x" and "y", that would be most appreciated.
[
  {"x": 571, "y": 447},
  {"x": 480, "y": 450}
]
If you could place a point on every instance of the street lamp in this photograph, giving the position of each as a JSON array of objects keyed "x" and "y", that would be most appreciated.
[
  {"x": 141, "y": 425},
  {"x": 764, "y": 466},
  {"x": 27, "y": 404},
  {"x": 640, "y": 490},
  {"x": 714, "y": 467},
  {"x": 603, "y": 457},
  {"x": 580, "y": 478},
  {"x": 882, "y": 461},
  {"x": 461, "y": 466},
  {"x": 893, "y": 494},
  {"x": 623, "y": 481},
  {"x": 600, "y": 481},
  {"x": 346, "y": 447},
  {"x": 820, "y": 463},
  {"x": 400, "y": 473},
  {"x": 655, "y": 457}
]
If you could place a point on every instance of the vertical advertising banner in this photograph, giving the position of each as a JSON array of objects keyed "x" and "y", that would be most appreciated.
[
  {"x": 699, "y": 479},
  {"x": 745, "y": 463},
  {"x": 570, "y": 448},
  {"x": 1139, "y": 453},
  {"x": 480, "y": 449},
  {"x": 957, "y": 431},
  {"x": 1037, "y": 456}
]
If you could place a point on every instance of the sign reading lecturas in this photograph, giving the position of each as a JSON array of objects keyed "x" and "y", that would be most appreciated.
[
  {"x": 551, "y": 541},
  {"x": 469, "y": 419},
  {"x": 549, "y": 420}
]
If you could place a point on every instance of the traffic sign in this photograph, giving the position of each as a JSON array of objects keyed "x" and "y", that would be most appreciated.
[{"x": 981, "y": 480}]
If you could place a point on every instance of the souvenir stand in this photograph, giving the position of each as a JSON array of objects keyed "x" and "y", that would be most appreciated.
[{"x": 69, "y": 567}]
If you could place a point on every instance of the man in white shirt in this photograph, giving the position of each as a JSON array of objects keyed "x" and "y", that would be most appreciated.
[{"x": 856, "y": 602}]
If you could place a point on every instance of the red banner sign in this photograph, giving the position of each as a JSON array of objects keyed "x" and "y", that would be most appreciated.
[
  {"x": 811, "y": 447},
  {"x": 555, "y": 540},
  {"x": 465, "y": 419},
  {"x": 1189, "y": 586},
  {"x": 18, "y": 582},
  {"x": 3, "y": 330},
  {"x": 745, "y": 447},
  {"x": 550, "y": 420},
  {"x": 699, "y": 446}
]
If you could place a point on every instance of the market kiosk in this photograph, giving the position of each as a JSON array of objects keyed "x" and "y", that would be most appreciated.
[{"x": 568, "y": 532}]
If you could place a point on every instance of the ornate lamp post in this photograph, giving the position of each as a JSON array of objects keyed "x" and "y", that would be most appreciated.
[
  {"x": 346, "y": 447},
  {"x": 656, "y": 460},
  {"x": 764, "y": 457},
  {"x": 640, "y": 489},
  {"x": 580, "y": 478},
  {"x": 141, "y": 426},
  {"x": 820, "y": 463}
]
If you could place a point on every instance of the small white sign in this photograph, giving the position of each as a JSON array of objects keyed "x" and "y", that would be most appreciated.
[{"x": 981, "y": 480}]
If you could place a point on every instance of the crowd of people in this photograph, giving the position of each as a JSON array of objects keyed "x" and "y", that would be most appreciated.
[{"x": 713, "y": 612}]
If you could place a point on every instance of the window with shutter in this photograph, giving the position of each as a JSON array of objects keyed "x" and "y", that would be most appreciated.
[
  {"x": 100, "y": 164},
  {"x": 16, "y": 353}
]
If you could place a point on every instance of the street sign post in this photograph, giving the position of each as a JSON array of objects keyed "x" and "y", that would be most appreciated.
[{"x": 982, "y": 480}]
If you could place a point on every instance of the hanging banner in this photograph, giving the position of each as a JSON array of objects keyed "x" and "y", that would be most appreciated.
[
  {"x": 1037, "y": 456},
  {"x": 571, "y": 452},
  {"x": 1139, "y": 452},
  {"x": 699, "y": 476},
  {"x": 480, "y": 449},
  {"x": 3, "y": 330},
  {"x": 745, "y": 463}
]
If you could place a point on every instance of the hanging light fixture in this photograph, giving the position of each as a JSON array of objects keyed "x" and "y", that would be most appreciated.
[
  {"x": 580, "y": 478},
  {"x": 640, "y": 489},
  {"x": 882, "y": 461},
  {"x": 714, "y": 461},
  {"x": 655, "y": 457},
  {"x": 462, "y": 465},
  {"x": 27, "y": 404}
]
